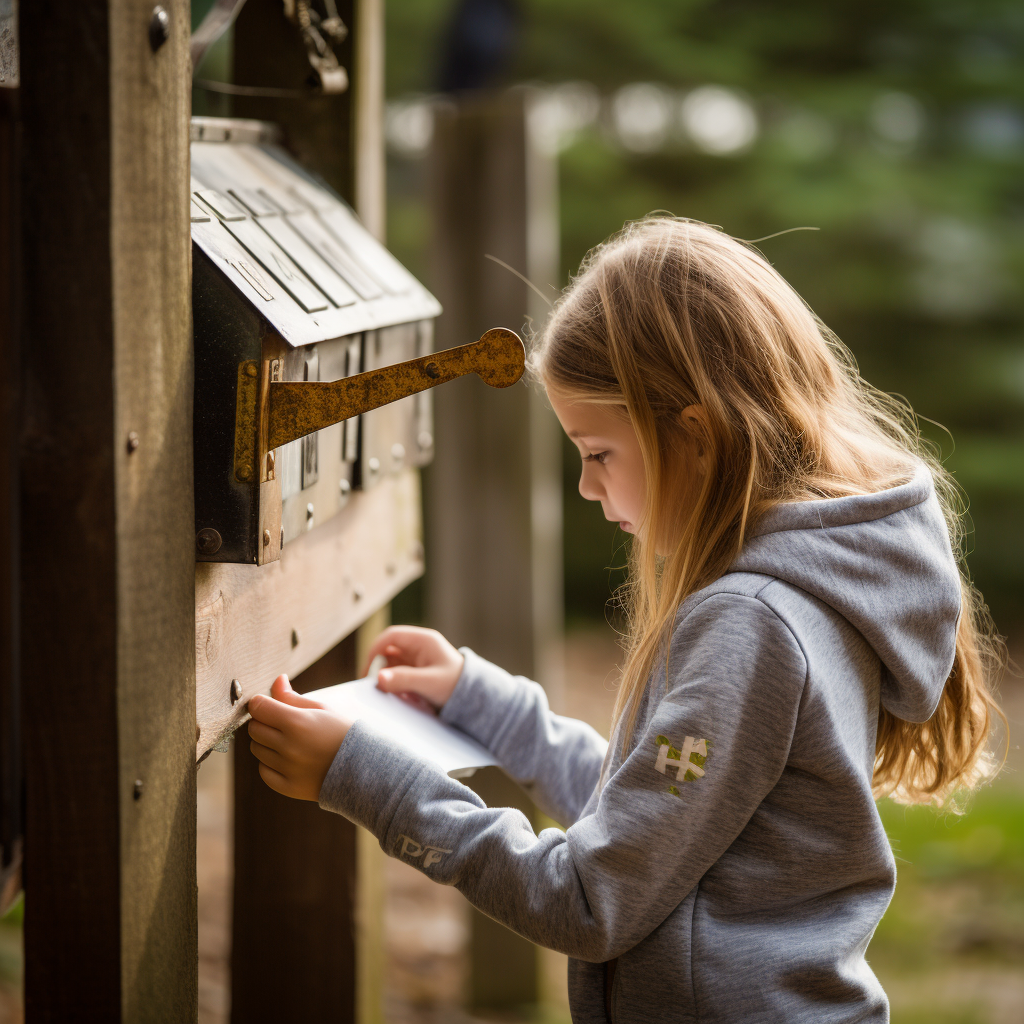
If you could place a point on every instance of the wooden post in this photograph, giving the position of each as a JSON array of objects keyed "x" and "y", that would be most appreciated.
[
  {"x": 293, "y": 946},
  {"x": 107, "y": 564},
  {"x": 494, "y": 510},
  {"x": 308, "y": 885},
  {"x": 11, "y": 778}
]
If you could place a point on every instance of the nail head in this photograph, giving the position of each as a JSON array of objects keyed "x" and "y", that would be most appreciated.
[{"x": 159, "y": 28}]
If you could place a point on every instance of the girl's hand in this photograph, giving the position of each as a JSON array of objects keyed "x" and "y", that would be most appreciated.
[
  {"x": 420, "y": 661},
  {"x": 295, "y": 740}
]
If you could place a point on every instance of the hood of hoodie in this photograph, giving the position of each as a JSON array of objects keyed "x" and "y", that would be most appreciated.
[{"x": 884, "y": 562}]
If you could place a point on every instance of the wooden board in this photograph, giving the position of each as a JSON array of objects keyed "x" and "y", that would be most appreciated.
[
  {"x": 293, "y": 955},
  {"x": 107, "y": 562},
  {"x": 254, "y": 622}
]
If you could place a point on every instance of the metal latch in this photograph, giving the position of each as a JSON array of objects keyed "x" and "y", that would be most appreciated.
[{"x": 297, "y": 408}]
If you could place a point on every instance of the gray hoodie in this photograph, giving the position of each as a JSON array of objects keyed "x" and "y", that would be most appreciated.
[{"x": 732, "y": 867}]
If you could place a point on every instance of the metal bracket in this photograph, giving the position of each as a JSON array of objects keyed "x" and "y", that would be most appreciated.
[{"x": 297, "y": 408}]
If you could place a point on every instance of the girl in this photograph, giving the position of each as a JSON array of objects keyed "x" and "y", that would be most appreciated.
[{"x": 801, "y": 641}]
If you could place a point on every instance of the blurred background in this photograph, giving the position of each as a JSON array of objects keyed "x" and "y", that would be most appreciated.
[{"x": 894, "y": 129}]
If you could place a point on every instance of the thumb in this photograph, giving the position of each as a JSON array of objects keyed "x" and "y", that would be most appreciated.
[{"x": 282, "y": 691}]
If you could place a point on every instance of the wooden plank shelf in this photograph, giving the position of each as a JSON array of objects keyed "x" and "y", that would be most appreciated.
[{"x": 255, "y": 622}]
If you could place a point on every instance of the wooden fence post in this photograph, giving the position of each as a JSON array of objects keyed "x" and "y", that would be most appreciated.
[
  {"x": 107, "y": 563},
  {"x": 494, "y": 504},
  {"x": 322, "y": 873}
]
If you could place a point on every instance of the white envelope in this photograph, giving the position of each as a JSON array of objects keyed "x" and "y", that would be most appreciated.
[{"x": 420, "y": 733}]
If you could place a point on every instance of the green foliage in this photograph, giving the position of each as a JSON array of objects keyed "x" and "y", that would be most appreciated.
[
  {"x": 958, "y": 911},
  {"x": 919, "y": 258}
]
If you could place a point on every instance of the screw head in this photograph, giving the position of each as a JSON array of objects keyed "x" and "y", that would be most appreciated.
[
  {"x": 266, "y": 538},
  {"x": 159, "y": 28},
  {"x": 137, "y": 789},
  {"x": 208, "y": 541},
  {"x": 425, "y": 440},
  {"x": 374, "y": 465},
  {"x": 432, "y": 371},
  {"x": 398, "y": 452},
  {"x": 295, "y": 638},
  {"x": 245, "y": 473},
  {"x": 133, "y": 441},
  {"x": 236, "y": 691}
]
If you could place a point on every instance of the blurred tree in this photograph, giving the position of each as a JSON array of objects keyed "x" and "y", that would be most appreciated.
[{"x": 897, "y": 129}]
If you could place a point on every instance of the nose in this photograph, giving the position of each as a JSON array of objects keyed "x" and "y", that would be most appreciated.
[{"x": 589, "y": 487}]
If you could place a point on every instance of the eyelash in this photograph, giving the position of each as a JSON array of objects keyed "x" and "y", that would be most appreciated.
[{"x": 596, "y": 457}]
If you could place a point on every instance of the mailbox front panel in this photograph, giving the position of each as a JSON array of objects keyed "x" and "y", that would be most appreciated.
[{"x": 289, "y": 286}]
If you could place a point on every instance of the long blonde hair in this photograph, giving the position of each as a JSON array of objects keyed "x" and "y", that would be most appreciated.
[{"x": 671, "y": 313}]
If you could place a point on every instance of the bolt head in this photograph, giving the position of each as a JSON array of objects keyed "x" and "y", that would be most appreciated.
[
  {"x": 208, "y": 541},
  {"x": 159, "y": 28},
  {"x": 432, "y": 371}
]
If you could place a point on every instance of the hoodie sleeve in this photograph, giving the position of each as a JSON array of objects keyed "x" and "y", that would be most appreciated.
[
  {"x": 557, "y": 760},
  {"x": 715, "y": 746}
]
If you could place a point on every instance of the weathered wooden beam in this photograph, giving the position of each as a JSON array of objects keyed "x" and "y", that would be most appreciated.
[
  {"x": 293, "y": 955},
  {"x": 254, "y": 622},
  {"x": 333, "y": 891},
  {"x": 494, "y": 510},
  {"x": 11, "y": 776},
  {"x": 106, "y": 506}
]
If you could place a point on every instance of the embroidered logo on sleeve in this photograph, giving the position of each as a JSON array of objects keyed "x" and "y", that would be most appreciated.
[
  {"x": 414, "y": 850},
  {"x": 688, "y": 762}
]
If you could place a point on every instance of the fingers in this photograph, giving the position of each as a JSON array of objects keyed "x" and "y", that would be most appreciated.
[
  {"x": 265, "y": 734},
  {"x": 282, "y": 691},
  {"x": 274, "y": 712},
  {"x": 404, "y": 679},
  {"x": 271, "y": 758},
  {"x": 275, "y": 780},
  {"x": 400, "y": 644}
]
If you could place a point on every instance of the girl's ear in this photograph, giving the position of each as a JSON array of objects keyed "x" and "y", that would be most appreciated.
[{"x": 694, "y": 420}]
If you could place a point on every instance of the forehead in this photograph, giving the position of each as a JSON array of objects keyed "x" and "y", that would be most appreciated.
[{"x": 586, "y": 419}]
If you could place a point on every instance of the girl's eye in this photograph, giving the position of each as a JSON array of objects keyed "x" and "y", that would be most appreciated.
[{"x": 596, "y": 457}]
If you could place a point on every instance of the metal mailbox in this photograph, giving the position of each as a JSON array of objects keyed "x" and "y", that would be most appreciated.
[{"x": 313, "y": 347}]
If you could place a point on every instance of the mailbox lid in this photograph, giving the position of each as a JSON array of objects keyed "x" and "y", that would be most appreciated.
[{"x": 294, "y": 250}]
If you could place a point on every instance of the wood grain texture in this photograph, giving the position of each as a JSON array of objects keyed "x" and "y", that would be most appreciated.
[
  {"x": 153, "y": 384},
  {"x": 494, "y": 499},
  {"x": 107, "y": 563},
  {"x": 325, "y": 585},
  {"x": 11, "y": 774},
  {"x": 293, "y": 950}
]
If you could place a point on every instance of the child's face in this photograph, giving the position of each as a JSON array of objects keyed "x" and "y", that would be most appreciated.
[{"x": 613, "y": 466}]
